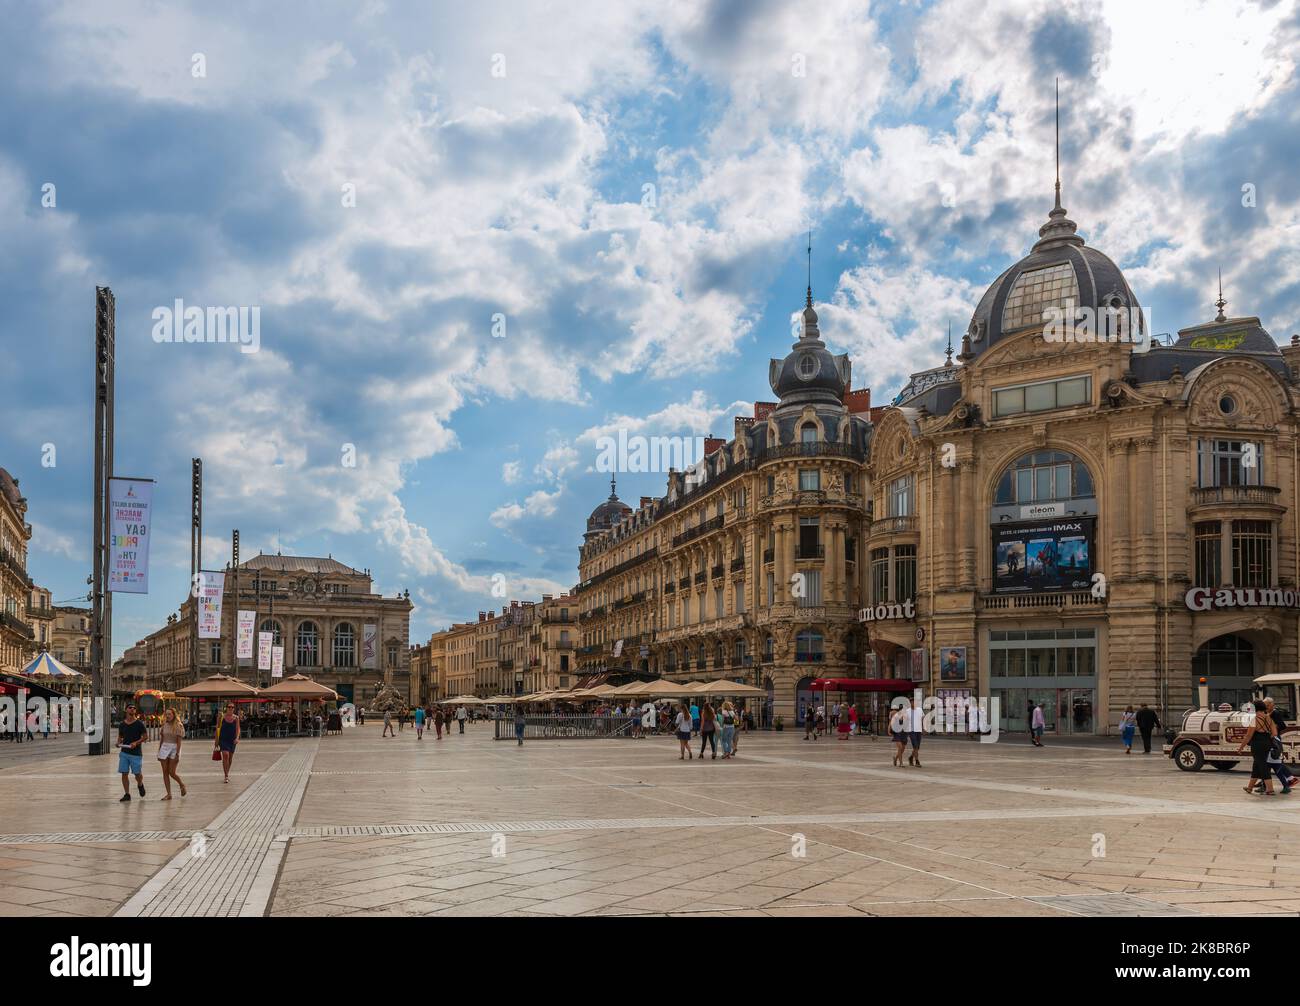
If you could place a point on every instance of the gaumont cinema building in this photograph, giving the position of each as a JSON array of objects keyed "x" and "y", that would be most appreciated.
[{"x": 1056, "y": 517}]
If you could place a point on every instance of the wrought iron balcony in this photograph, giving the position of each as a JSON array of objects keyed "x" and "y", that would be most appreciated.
[{"x": 811, "y": 552}]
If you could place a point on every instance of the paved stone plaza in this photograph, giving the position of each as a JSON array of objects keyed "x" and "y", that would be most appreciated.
[{"x": 362, "y": 825}]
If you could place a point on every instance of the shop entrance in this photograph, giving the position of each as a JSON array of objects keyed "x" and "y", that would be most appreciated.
[
  {"x": 1228, "y": 665},
  {"x": 1074, "y": 711}
]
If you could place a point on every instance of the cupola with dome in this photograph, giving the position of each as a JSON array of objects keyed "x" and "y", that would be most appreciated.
[
  {"x": 1060, "y": 269},
  {"x": 607, "y": 514}
]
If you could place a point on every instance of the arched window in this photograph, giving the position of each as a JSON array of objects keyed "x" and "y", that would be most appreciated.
[
  {"x": 808, "y": 647},
  {"x": 273, "y": 627},
  {"x": 771, "y": 437},
  {"x": 306, "y": 645},
  {"x": 808, "y": 433},
  {"x": 345, "y": 646},
  {"x": 1044, "y": 476}
]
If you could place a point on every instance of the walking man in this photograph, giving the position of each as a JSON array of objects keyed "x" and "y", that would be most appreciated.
[
  {"x": 460, "y": 717},
  {"x": 1038, "y": 723},
  {"x": 419, "y": 723},
  {"x": 520, "y": 722},
  {"x": 388, "y": 724},
  {"x": 130, "y": 757},
  {"x": 1147, "y": 721}
]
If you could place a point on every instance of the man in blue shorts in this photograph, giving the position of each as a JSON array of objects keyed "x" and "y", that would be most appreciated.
[{"x": 130, "y": 758}]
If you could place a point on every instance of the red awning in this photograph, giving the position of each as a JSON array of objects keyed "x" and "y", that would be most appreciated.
[{"x": 862, "y": 685}]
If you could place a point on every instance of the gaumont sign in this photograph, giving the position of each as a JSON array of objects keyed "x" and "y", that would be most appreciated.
[
  {"x": 887, "y": 612},
  {"x": 1214, "y": 598}
]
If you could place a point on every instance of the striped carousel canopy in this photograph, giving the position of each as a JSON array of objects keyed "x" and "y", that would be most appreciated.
[{"x": 45, "y": 666}]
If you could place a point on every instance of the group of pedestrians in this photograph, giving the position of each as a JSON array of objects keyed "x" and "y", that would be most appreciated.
[
  {"x": 1143, "y": 721},
  {"x": 132, "y": 735},
  {"x": 710, "y": 724},
  {"x": 1264, "y": 738},
  {"x": 422, "y": 717},
  {"x": 906, "y": 724}
]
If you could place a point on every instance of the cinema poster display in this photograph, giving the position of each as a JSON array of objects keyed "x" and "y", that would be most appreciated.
[{"x": 1043, "y": 555}]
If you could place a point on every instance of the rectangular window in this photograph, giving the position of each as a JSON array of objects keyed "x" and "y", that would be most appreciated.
[
  {"x": 904, "y": 573},
  {"x": 1042, "y": 396},
  {"x": 811, "y": 589},
  {"x": 1209, "y": 553},
  {"x": 718, "y": 608},
  {"x": 740, "y": 596},
  {"x": 1229, "y": 463},
  {"x": 1252, "y": 553},
  {"x": 809, "y": 538},
  {"x": 900, "y": 497},
  {"x": 771, "y": 590},
  {"x": 879, "y": 575},
  {"x": 810, "y": 479}
]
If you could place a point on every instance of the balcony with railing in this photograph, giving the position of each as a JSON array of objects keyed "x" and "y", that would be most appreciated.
[
  {"x": 768, "y": 555},
  {"x": 1205, "y": 496},
  {"x": 810, "y": 552},
  {"x": 701, "y": 577},
  {"x": 738, "y": 564},
  {"x": 692, "y": 533},
  {"x": 1054, "y": 599},
  {"x": 715, "y": 572},
  {"x": 16, "y": 624},
  {"x": 894, "y": 525}
]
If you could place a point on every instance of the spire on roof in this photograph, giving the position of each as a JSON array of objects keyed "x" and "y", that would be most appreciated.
[
  {"x": 612, "y": 494},
  {"x": 948, "y": 354},
  {"x": 808, "y": 301},
  {"x": 1220, "y": 303},
  {"x": 1059, "y": 228}
]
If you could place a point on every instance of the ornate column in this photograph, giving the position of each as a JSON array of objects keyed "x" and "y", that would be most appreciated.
[
  {"x": 948, "y": 569},
  {"x": 1117, "y": 506},
  {"x": 1145, "y": 501},
  {"x": 966, "y": 503}
]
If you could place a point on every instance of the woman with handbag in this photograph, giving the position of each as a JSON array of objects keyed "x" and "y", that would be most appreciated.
[
  {"x": 170, "y": 736},
  {"x": 1260, "y": 739},
  {"x": 223, "y": 744}
]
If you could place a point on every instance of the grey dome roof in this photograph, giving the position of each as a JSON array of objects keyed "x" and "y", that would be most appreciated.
[
  {"x": 1098, "y": 283},
  {"x": 810, "y": 373},
  {"x": 608, "y": 513}
]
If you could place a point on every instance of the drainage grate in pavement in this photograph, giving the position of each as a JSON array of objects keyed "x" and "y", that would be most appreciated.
[
  {"x": 1120, "y": 905},
  {"x": 86, "y": 837}
]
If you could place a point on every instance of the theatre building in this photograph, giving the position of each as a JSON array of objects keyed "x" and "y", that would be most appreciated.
[{"x": 1083, "y": 523}]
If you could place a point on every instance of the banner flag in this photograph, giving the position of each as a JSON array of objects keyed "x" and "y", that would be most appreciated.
[{"x": 129, "y": 505}]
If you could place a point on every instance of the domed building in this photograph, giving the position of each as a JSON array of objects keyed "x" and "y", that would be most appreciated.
[
  {"x": 607, "y": 514},
  {"x": 748, "y": 567},
  {"x": 1097, "y": 519}
]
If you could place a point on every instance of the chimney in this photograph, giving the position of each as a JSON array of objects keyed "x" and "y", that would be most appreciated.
[
  {"x": 763, "y": 409},
  {"x": 645, "y": 501},
  {"x": 712, "y": 443},
  {"x": 546, "y": 597},
  {"x": 482, "y": 616},
  {"x": 858, "y": 402}
]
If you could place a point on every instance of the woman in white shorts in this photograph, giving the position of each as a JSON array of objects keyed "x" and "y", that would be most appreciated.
[{"x": 169, "y": 751}]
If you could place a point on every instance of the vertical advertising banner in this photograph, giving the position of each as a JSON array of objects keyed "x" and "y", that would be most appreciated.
[
  {"x": 244, "y": 636},
  {"x": 369, "y": 646},
  {"x": 129, "y": 505},
  {"x": 209, "y": 601},
  {"x": 277, "y": 661},
  {"x": 264, "y": 650}
]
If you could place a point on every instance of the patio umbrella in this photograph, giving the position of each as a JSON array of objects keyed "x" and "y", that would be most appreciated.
[
  {"x": 663, "y": 689},
  {"x": 219, "y": 686},
  {"x": 724, "y": 687},
  {"x": 296, "y": 687}
]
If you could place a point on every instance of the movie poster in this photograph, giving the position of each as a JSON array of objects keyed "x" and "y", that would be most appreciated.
[
  {"x": 952, "y": 664},
  {"x": 1043, "y": 555}
]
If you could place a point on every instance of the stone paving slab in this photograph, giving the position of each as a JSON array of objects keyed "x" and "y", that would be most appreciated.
[{"x": 363, "y": 825}]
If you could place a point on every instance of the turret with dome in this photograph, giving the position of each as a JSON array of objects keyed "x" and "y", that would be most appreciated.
[{"x": 607, "y": 514}]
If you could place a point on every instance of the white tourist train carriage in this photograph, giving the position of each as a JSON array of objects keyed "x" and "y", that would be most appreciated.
[{"x": 1212, "y": 736}]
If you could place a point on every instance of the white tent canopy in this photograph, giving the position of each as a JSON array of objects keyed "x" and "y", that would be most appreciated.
[{"x": 48, "y": 667}]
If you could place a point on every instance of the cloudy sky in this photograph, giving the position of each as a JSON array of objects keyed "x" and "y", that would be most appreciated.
[{"x": 481, "y": 234}]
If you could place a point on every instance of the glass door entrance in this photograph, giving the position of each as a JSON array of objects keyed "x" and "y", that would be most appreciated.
[{"x": 1074, "y": 711}]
